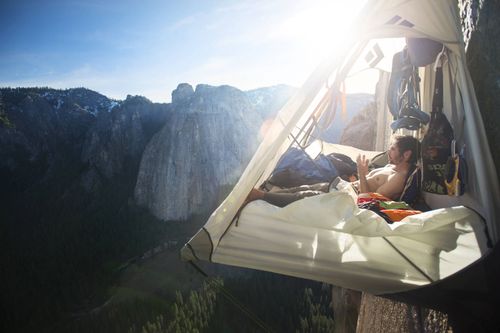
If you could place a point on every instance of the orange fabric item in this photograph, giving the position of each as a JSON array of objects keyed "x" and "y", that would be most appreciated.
[
  {"x": 399, "y": 214},
  {"x": 366, "y": 197}
]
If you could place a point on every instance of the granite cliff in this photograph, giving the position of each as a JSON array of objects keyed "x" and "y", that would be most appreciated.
[{"x": 207, "y": 140}]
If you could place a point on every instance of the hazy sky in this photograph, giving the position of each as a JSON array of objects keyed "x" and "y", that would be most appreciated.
[{"x": 148, "y": 47}]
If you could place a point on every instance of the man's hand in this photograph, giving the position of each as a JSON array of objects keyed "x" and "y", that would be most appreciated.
[
  {"x": 362, "y": 163},
  {"x": 362, "y": 172}
]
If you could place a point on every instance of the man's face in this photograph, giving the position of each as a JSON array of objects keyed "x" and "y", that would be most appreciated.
[{"x": 395, "y": 157}]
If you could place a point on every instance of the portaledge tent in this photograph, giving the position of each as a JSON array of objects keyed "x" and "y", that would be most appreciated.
[{"x": 326, "y": 237}]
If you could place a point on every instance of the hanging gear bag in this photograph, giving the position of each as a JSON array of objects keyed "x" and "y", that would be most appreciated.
[{"x": 436, "y": 143}]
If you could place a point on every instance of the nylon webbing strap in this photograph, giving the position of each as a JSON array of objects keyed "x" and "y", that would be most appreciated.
[
  {"x": 198, "y": 269},
  {"x": 458, "y": 125},
  {"x": 437, "y": 100}
]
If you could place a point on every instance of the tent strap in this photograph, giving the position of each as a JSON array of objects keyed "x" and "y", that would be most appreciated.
[{"x": 409, "y": 261}]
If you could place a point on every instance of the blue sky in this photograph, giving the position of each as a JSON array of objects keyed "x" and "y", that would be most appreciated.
[{"x": 148, "y": 47}]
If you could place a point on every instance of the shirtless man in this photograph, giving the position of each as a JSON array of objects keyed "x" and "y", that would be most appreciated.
[{"x": 388, "y": 181}]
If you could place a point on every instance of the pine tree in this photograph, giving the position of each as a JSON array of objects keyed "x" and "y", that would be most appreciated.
[{"x": 4, "y": 120}]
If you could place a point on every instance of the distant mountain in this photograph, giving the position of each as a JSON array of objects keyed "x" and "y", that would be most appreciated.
[
  {"x": 77, "y": 131},
  {"x": 267, "y": 101}
]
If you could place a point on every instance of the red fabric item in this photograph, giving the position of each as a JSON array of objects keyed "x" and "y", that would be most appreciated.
[{"x": 397, "y": 215}]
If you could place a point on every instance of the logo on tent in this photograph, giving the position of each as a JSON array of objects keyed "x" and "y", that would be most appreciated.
[
  {"x": 374, "y": 56},
  {"x": 400, "y": 21}
]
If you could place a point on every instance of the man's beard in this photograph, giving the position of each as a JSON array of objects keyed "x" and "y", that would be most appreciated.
[{"x": 396, "y": 160}]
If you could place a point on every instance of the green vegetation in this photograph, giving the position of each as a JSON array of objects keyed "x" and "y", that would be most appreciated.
[
  {"x": 250, "y": 301},
  {"x": 283, "y": 304},
  {"x": 4, "y": 120}
]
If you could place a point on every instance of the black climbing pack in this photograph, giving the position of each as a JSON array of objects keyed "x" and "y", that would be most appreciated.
[{"x": 436, "y": 143}]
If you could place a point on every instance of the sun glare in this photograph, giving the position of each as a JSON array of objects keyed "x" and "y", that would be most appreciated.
[
  {"x": 323, "y": 25},
  {"x": 323, "y": 28},
  {"x": 313, "y": 29}
]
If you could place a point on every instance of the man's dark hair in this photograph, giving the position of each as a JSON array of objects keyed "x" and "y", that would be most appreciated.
[{"x": 408, "y": 142}]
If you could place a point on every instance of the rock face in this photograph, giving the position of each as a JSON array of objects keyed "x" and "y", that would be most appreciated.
[
  {"x": 481, "y": 26},
  {"x": 382, "y": 315},
  {"x": 359, "y": 132},
  {"x": 117, "y": 138},
  {"x": 46, "y": 134},
  {"x": 207, "y": 140},
  {"x": 356, "y": 104},
  {"x": 60, "y": 131},
  {"x": 182, "y": 94}
]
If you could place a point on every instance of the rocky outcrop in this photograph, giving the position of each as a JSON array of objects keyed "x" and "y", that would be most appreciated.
[
  {"x": 359, "y": 132},
  {"x": 207, "y": 140},
  {"x": 355, "y": 104},
  {"x": 381, "y": 315},
  {"x": 46, "y": 132},
  {"x": 182, "y": 94},
  {"x": 116, "y": 141},
  {"x": 481, "y": 26}
]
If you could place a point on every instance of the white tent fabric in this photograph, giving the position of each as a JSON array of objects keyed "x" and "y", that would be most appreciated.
[
  {"x": 434, "y": 19},
  {"x": 346, "y": 246}
]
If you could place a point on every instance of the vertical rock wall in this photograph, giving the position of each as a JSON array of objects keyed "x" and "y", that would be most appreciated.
[
  {"x": 381, "y": 315},
  {"x": 207, "y": 140},
  {"x": 481, "y": 26}
]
